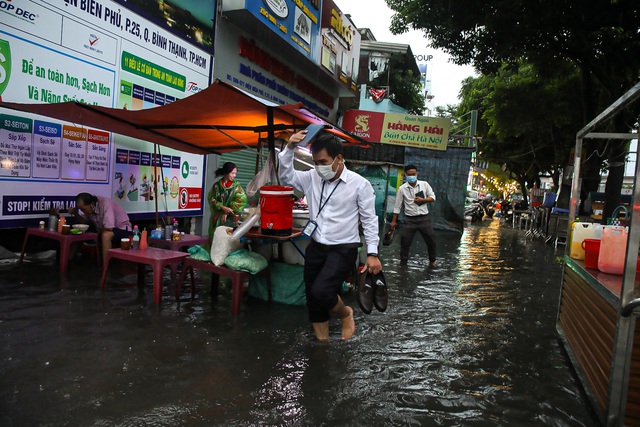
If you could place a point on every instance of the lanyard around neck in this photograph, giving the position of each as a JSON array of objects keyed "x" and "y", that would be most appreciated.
[{"x": 326, "y": 201}]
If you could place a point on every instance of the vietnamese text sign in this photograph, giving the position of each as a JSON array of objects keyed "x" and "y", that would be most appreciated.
[
  {"x": 399, "y": 129},
  {"x": 97, "y": 52}
]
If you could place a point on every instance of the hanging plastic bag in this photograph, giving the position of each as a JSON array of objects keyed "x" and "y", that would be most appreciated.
[{"x": 267, "y": 176}]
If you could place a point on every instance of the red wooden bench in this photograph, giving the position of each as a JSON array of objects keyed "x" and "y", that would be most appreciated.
[{"x": 237, "y": 278}]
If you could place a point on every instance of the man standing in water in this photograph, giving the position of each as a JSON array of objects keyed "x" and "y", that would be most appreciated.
[
  {"x": 414, "y": 196},
  {"x": 338, "y": 198}
]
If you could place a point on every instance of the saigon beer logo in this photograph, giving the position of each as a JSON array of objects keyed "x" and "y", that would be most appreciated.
[{"x": 362, "y": 125}]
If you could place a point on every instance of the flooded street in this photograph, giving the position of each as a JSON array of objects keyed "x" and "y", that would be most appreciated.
[{"x": 472, "y": 342}]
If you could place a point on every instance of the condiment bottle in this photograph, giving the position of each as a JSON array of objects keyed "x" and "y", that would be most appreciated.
[
  {"x": 143, "y": 239},
  {"x": 61, "y": 222},
  {"x": 135, "y": 242}
]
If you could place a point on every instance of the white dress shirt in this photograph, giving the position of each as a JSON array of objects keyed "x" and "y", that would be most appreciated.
[
  {"x": 407, "y": 194},
  {"x": 352, "y": 199}
]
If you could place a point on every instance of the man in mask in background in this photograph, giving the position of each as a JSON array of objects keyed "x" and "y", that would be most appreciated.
[
  {"x": 414, "y": 196},
  {"x": 338, "y": 199}
]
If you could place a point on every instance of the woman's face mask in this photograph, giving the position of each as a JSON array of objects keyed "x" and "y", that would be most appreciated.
[
  {"x": 326, "y": 172},
  {"x": 412, "y": 179}
]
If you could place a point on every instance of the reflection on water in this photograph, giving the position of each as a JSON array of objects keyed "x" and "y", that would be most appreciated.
[{"x": 472, "y": 342}]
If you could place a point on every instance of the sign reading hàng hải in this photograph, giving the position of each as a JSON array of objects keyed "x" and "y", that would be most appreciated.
[{"x": 399, "y": 129}]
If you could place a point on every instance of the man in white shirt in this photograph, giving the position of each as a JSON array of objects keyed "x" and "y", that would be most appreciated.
[
  {"x": 338, "y": 199},
  {"x": 414, "y": 196}
]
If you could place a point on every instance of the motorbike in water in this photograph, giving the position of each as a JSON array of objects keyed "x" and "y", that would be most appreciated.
[
  {"x": 478, "y": 209},
  {"x": 474, "y": 212},
  {"x": 488, "y": 207}
]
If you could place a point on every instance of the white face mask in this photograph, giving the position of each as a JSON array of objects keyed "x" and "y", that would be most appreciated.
[{"x": 326, "y": 172}]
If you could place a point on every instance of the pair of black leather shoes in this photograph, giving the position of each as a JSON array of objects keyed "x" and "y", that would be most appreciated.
[{"x": 372, "y": 291}]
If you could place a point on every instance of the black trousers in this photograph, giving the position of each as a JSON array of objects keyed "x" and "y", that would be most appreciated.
[
  {"x": 324, "y": 271},
  {"x": 421, "y": 224}
]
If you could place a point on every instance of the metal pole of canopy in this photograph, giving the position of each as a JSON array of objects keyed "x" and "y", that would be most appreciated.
[
  {"x": 155, "y": 181},
  {"x": 271, "y": 139}
]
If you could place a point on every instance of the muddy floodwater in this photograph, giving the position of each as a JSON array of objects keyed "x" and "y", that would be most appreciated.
[{"x": 470, "y": 343}]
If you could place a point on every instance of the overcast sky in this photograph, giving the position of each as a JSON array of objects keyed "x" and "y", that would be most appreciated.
[{"x": 445, "y": 77}]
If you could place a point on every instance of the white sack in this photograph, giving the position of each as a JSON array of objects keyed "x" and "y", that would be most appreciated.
[{"x": 223, "y": 244}]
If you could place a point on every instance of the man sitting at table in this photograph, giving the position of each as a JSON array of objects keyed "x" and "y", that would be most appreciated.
[{"x": 110, "y": 219}]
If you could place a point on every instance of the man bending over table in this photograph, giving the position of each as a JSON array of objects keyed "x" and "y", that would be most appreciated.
[{"x": 111, "y": 220}]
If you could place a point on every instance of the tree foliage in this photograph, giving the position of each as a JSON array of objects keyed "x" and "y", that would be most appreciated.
[
  {"x": 600, "y": 36},
  {"x": 527, "y": 124},
  {"x": 595, "y": 40},
  {"x": 405, "y": 89}
]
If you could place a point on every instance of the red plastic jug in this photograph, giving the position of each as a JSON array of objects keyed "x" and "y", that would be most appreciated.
[{"x": 591, "y": 249}]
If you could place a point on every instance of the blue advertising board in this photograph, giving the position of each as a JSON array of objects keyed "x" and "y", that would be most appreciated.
[{"x": 297, "y": 22}]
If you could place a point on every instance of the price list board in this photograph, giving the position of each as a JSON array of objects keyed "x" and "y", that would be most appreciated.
[
  {"x": 47, "y": 143},
  {"x": 74, "y": 151},
  {"x": 97, "y": 155},
  {"x": 51, "y": 151},
  {"x": 16, "y": 136}
]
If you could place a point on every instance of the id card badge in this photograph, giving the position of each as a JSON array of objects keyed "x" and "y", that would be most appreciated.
[{"x": 310, "y": 228}]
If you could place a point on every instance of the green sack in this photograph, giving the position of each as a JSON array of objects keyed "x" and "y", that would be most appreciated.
[
  {"x": 199, "y": 254},
  {"x": 245, "y": 260},
  {"x": 287, "y": 284}
]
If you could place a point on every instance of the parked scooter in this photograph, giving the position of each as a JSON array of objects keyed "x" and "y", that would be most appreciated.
[
  {"x": 480, "y": 208},
  {"x": 488, "y": 207},
  {"x": 508, "y": 206},
  {"x": 506, "y": 209},
  {"x": 475, "y": 211}
]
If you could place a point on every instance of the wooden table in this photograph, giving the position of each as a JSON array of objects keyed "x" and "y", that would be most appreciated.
[
  {"x": 155, "y": 257},
  {"x": 65, "y": 243},
  {"x": 296, "y": 234},
  {"x": 186, "y": 241}
]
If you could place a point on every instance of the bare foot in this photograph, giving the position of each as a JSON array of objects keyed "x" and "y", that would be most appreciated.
[
  {"x": 348, "y": 325},
  {"x": 321, "y": 330}
]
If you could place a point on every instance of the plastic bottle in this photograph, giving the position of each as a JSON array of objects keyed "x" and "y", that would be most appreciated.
[
  {"x": 62, "y": 221},
  {"x": 579, "y": 232},
  {"x": 613, "y": 247},
  {"x": 143, "y": 239},
  {"x": 135, "y": 243},
  {"x": 175, "y": 224},
  {"x": 53, "y": 222}
]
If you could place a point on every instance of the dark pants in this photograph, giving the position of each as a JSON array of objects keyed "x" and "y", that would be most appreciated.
[
  {"x": 324, "y": 271},
  {"x": 422, "y": 224}
]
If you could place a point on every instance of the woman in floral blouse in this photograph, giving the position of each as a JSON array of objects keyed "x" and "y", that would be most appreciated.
[{"x": 226, "y": 197}]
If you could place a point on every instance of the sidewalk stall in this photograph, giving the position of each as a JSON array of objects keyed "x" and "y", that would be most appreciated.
[
  {"x": 600, "y": 298},
  {"x": 129, "y": 113},
  {"x": 200, "y": 124}
]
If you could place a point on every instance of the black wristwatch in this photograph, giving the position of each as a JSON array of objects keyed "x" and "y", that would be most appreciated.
[{"x": 372, "y": 254}]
